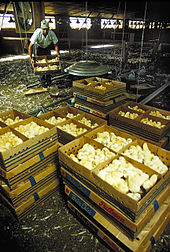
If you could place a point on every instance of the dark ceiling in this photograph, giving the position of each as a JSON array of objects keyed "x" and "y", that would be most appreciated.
[{"x": 156, "y": 10}]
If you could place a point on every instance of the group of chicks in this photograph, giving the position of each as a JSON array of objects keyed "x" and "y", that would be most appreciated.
[
  {"x": 111, "y": 140},
  {"x": 100, "y": 87},
  {"x": 146, "y": 120},
  {"x": 136, "y": 108},
  {"x": 47, "y": 68},
  {"x": 128, "y": 114},
  {"x": 9, "y": 140},
  {"x": 158, "y": 114},
  {"x": 128, "y": 179},
  {"x": 44, "y": 61},
  {"x": 143, "y": 155},
  {"x": 72, "y": 129},
  {"x": 10, "y": 121},
  {"x": 53, "y": 60},
  {"x": 103, "y": 87},
  {"x": 153, "y": 123},
  {"x": 90, "y": 157},
  {"x": 55, "y": 121},
  {"x": 31, "y": 129},
  {"x": 88, "y": 122},
  {"x": 71, "y": 115}
]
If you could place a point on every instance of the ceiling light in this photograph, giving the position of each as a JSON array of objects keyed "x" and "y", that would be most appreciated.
[
  {"x": 50, "y": 21},
  {"x": 77, "y": 22},
  {"x": 101, "y": 46},
  {"x": 11, "y": 20}
]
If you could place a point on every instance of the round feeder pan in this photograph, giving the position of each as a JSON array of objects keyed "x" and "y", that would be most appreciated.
[{"x": 87, "y": 68}]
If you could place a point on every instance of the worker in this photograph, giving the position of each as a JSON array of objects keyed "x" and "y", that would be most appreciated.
[{"x": 42, "y": 40}]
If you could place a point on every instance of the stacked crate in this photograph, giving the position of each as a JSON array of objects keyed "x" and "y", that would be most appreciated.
[
  {"x": 28, "y": 174},
  {"x": 98, "y": 96},
  {"x": 123, "y": 222},
  {"x": 46, "y": 64},
  {"x": 122, "y": 118},
  {"x": 67, "y": 119}
]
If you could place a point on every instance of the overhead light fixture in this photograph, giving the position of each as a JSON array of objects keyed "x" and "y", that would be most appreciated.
[
  {"x": 109, "y": 22},
  {"x": 11, "y": 20},
  {"x": 77, "y": 22},
  {"x": 101, "y": 46},
  {"x": 50, "y": 21}
]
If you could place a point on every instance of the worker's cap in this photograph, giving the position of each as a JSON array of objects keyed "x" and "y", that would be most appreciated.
[{"x": 44, "y": 24}]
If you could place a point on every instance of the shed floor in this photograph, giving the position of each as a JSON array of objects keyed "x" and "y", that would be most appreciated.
[{"x": 50, "y": 227}]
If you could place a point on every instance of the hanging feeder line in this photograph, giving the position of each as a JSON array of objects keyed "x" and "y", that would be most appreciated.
[
  {"x": 86, "y": 32},
  {"x": 87, "y": 67},
  {"x": 86, "y": 37},
  {"x": 123, "y": 34},
  {"x": 35, "y": 101},
  {"x": 115, "y": 29},
  {"x": 116, "y": 15},
  {"x": 24, "y": 29},
  {"x": 141, "y": 51},
  {"x": 21, "y": 34}
]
